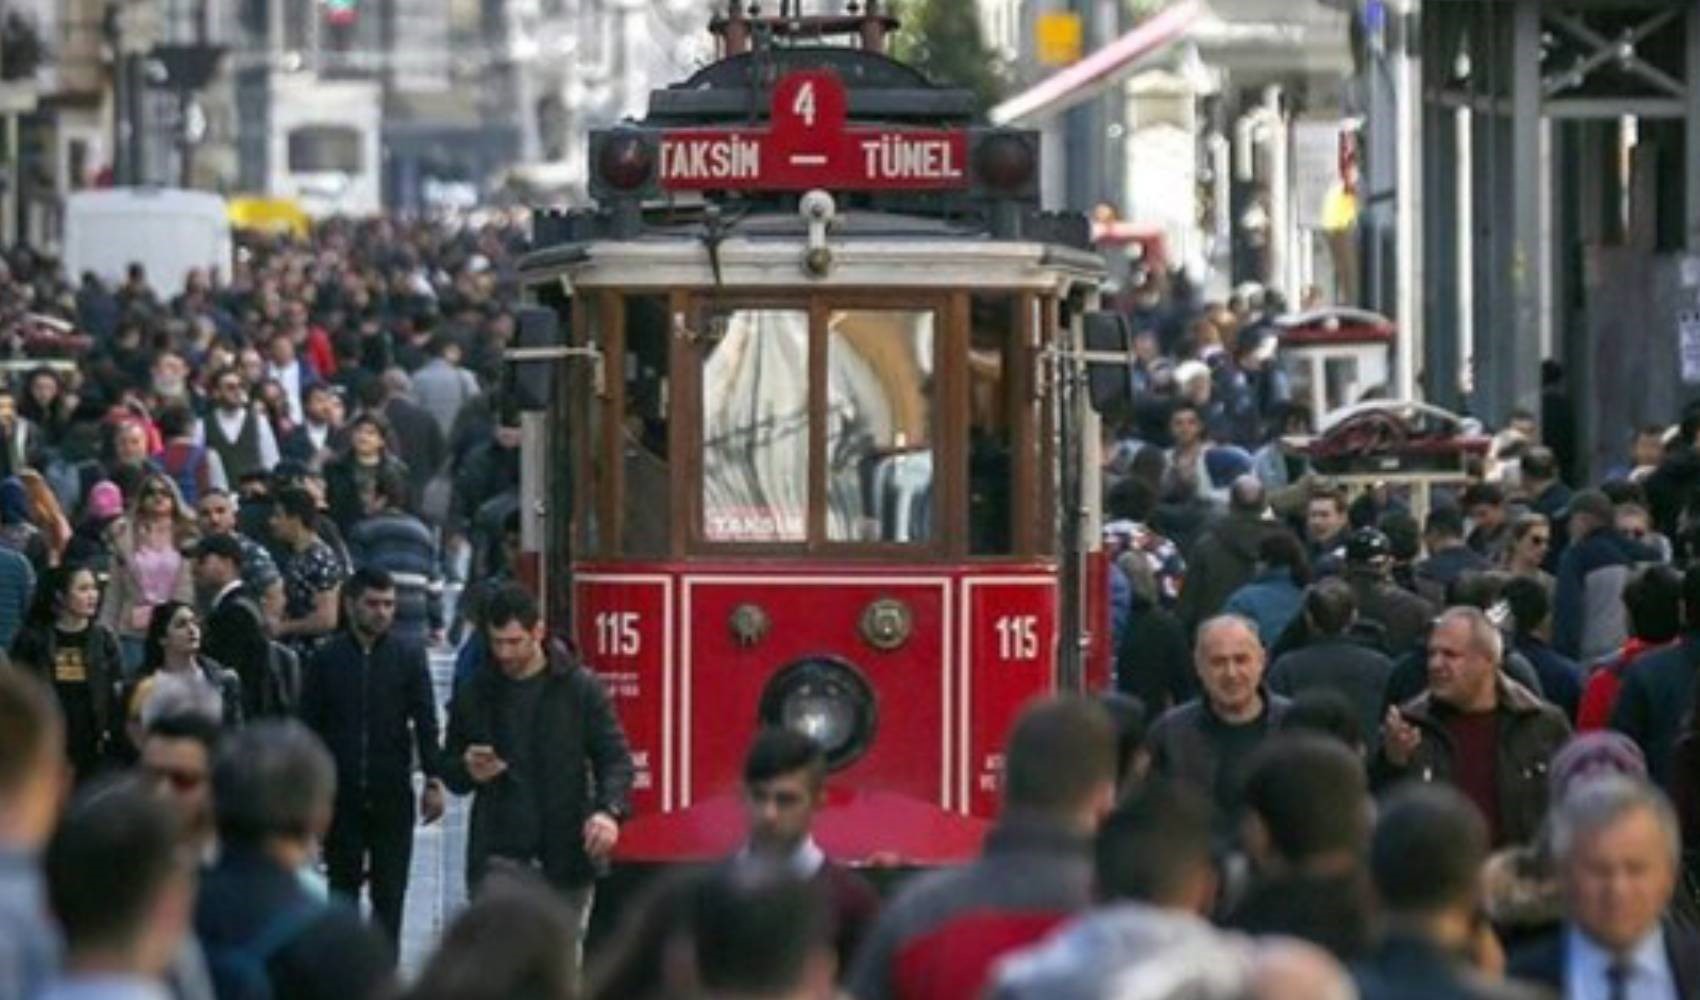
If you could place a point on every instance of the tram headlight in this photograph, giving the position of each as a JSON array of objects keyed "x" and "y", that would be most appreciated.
[
  {"x": 1007, "y": 161},
  {"x": 826, "y": 700},
  {"x": 626, "y": 160}
]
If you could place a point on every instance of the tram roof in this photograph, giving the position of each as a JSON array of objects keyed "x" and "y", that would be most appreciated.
[{"x": 869, "y": 248}]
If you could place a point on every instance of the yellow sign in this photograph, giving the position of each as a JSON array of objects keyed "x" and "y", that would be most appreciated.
[{"x": 1058, "y": 38}]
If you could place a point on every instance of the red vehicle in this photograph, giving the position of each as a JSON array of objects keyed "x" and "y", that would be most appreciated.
[{"x": 812, "y": 441}]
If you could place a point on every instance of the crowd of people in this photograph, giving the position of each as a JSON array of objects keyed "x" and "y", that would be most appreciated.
[{"x": 1346, "y": 751}]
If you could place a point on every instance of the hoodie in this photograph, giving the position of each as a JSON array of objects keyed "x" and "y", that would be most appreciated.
[
  {"x": 1222, "y": 561},
  {"x": 1129, "y": 951}
]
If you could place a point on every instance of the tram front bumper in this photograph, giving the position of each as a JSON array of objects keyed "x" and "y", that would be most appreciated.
[{"x": 855, "y": 827}]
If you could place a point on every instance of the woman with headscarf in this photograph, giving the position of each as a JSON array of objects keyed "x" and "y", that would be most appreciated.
[
  {"x": 87, "y": 547},
  {"x": 46, "y": 514},
  {"x": 150, "y": 565},
  {"x": 17, "y": 532}
]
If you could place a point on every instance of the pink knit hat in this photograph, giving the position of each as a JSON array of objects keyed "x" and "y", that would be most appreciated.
[{"x": 105, "y": 500}]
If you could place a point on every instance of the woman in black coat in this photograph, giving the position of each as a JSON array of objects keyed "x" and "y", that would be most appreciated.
[{"x": 63, "y": 645}]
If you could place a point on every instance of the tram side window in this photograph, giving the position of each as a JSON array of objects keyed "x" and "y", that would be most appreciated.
[
  {"x": 755, "y": 427},
  {"x": 991, "y": 425},
  {"x": 879, "y": 425},
  {"x": 646, "y": 509}
]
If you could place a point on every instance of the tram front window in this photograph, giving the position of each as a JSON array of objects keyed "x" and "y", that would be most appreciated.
[
  {"x": 755, "y": 427},
  {"x": 879, "y": 435}
]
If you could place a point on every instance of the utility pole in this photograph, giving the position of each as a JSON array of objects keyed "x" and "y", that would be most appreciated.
[{"x": 1408, "y": 72}]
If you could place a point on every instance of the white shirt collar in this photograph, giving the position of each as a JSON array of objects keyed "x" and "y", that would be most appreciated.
[
  {"x": 226, "y": 591},
  {"x": 231, "y": 421},
  {"x": 1586, "y": 967},
  {"x": 804, "y": 862}
]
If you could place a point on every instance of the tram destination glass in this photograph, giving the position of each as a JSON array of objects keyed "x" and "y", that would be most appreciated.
[{"x": 755, "y": 427}]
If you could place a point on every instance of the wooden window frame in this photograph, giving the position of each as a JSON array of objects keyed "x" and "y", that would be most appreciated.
[{"x": 1033, "y": 504}]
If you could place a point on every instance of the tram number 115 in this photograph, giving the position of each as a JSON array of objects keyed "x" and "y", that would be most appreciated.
[
  {"x": 617, "y": 633},
  {"x": 1018, "y": 637}
]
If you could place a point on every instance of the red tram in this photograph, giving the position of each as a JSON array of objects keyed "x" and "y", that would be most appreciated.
[{"x": 812, "y": 438}]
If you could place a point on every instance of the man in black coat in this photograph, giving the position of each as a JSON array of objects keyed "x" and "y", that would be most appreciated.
[
  {"x": 537, "y": 744},
  {"x": 1616, "y": 843},
  {"x": 368, "y": 695},
  {"x": 236, "y": 635},
  {"x": 1426, "y": 859},
  {"x": 1331, "y": 659},
  {"x": 1206, "y": 742}
]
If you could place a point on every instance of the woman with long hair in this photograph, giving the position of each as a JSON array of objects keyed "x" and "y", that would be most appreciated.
[
  {"x": 149, "y": 562},
  {"x": 17, "y": 531},
  {"x": 47, "y": 402},
  {"x": 46, "y": 514},
  {"x": 63, "y": 645},
  {"x": 1531, "y": 538},
  {"x": 175, "y": 676}
]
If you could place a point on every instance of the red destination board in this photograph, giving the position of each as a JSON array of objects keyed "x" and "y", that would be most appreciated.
[{"x": 808, "y": 146}]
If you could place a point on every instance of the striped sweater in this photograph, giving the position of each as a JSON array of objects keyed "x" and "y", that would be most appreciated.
[{"x": 402, "y": 545}]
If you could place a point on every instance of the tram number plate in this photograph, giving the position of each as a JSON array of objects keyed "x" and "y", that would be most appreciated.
[
  {"x": 618, "y": 634},
  {"x": 1018, "y": 637}
]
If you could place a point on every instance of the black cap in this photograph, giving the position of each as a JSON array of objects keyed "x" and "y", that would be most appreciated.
[
  {"x": 1594, "y": 503},
  {"x": 1367, "y": 545},
  {"x": 289, "y": 470}
]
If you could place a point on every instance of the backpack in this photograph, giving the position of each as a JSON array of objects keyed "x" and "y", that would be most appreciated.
[
  {"x": 186, "y": 465},
  {"x": 282, "y": 692},
  {"x": 239, "y": 971}
]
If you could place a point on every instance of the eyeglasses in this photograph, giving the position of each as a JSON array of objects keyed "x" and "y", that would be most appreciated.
[{"x": 179, "y": 780}]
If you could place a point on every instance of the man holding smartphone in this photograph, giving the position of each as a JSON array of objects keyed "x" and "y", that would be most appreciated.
[{"x": 534, "y": 740}]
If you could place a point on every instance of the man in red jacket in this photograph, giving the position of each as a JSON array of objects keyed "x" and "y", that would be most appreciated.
[{"x": 940, "y": 938}]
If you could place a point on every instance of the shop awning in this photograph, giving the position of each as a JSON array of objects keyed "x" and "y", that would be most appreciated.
[{"x": 1087, "y": 78}]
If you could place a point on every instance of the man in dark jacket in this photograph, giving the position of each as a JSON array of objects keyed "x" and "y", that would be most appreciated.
[
  {"x": 1589, "y": 620},
  {"x": 1225, "y": 556},
  {"x": 1426, "y": 861},
  {"x": 1449, "y": 557},
  {"x": 368, "y": 695},
  {"x": 1306, "y": 827},
  {"x": 537, "y": 744},
  {"x": 1331, "y": 660},
  {"x": 1561, "y": 678},
  {"x": 1205, "y": 742},
  {"x": 235, "y": 632},
  {"x": 273, "y": 789},
  {"x": 784, "y": 787},
  {"x": 1402, "y": 615},
  {"x": 390, "y": 538},
  {"x": 1616, "y": 845},
  {"x": 942, "y": 935},
  {"x": 1476, "y": 729},
  {"x": 1658, "y": 688}
]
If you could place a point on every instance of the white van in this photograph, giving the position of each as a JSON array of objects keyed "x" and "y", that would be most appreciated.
[{"x": 167, "y": 230}]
